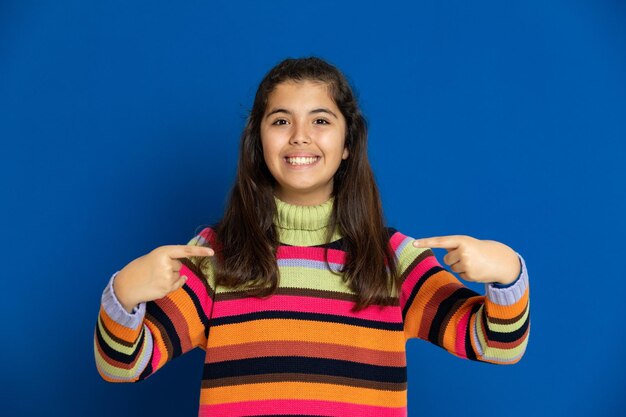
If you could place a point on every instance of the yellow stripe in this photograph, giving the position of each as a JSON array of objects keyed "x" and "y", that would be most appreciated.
[
  {"x": 409, "y": 254},
  {"x": 120, "y": 373},
  {"x": 301, "y": 277},
  {"x": 207, "y": 267},
  {"x": 127, "y": 350},
  {"x": 508, "y": 328},
  {"x": 492, "y": 351}
]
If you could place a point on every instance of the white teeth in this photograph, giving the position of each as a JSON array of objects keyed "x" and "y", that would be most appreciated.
[{"x": 302, "y": 160}]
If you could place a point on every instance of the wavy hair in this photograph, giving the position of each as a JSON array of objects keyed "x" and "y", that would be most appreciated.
[{"x": 247, "y": 238}]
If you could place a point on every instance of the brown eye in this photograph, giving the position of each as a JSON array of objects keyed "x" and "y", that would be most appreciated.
[
  {"x": 279, "y": 122},
  {"x": 321, "y": 121}
]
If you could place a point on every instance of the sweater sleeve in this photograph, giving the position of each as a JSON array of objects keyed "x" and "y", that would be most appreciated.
[
  {"x": 129, "y": 347},
  {"x": 438, "y": 308}
]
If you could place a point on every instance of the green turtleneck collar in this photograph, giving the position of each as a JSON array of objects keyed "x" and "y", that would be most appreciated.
[{"x": 304, "y": 225}]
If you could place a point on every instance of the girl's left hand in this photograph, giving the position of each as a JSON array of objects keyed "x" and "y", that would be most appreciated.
[{"x": 476, "y": 260}]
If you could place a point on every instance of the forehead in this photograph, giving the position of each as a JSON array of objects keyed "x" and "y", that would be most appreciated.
[{"x": 300, "y": 93}]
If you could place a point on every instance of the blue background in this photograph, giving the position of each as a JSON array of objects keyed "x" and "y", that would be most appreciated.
[{"x": 119, "y": 125}]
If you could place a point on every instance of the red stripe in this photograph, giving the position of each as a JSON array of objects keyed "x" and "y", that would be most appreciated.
[
  {"x": 225, "y": 308},
  {"x": 309, "y": 253},
  {"x": 300, "y": 407}
]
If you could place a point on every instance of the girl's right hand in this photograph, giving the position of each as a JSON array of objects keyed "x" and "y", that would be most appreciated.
[{"x": 154, "y": 275}]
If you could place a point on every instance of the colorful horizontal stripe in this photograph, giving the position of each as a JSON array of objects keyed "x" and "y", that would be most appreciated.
[{"x": 302, "y": 351}]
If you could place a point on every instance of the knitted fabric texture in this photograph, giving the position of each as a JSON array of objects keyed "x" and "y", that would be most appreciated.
[{"x": 302, "y": 351}]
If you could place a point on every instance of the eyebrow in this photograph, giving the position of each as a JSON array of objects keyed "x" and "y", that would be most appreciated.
[{"x": 318, "y": 110}]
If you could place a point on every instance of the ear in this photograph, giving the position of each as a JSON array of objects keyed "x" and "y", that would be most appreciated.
[{"x": 345, "y": 153}]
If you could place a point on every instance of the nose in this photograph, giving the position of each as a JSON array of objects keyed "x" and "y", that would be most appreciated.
[{"x": 300, "y": 134}]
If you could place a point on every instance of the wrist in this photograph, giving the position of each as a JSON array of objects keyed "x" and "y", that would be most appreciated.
[
  {"x": 122, "y": 294},
  {"x": 513, "y": 280}
]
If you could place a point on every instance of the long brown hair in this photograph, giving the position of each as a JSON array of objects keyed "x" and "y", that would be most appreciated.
[{"x": 247, "y": 237}]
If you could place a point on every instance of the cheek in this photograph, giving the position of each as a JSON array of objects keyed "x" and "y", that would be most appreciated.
[
  {"x": 265, "y": 146},
  {"x": 267, "y": 159},
  {"x": 270, "y": 154}
]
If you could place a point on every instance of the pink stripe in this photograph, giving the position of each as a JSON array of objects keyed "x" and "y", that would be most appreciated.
[
  {"x": 415, "y": 275},
  {"x": 390, "y": 314},
  {"x": 208, "y": 234},
  {"x": 156, "y": 355},
  {"x": 211, "y": 238},
  {"x": 396, "y": 240},
  {"x": 198, "y": 288},
  {"x": 460, "y": 334},
  {"x": 314, "y": 254},
  {"x": 300, "y": 407}
]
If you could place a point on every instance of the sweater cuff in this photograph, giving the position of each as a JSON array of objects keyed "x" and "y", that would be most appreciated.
[
  {"x": 511, "y": 293},
  {"x": 117, "y": 313}
]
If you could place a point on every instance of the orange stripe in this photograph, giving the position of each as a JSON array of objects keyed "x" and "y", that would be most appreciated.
[
  {"x": 450, "y": 335},
  {"x": 430, "y": 310},
  {"x": 158, "y": 343},
  {"x": 307, "y": 331},
  {"x": 113, "y": 362},
  {"x": 307, "y": 349},
  {"x": 507, "y": 312},
  {"x": 494, "y": 344},
  {"x": 122, "y": 332},
  {"x": 178, "y": 321},
  {"x": 414, "y": 320},
  {"x": 193, "y": 326},
  {"x": 185, "y": 319}
]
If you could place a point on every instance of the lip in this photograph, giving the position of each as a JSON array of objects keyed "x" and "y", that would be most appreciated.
[{"x": 301, "y": 154}]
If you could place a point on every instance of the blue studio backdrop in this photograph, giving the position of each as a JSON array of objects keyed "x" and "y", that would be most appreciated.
[{"x": 120, "y": 124}]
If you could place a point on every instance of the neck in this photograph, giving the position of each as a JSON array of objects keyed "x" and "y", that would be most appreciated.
[
  {"x": 304, "y": 225},
  {"x": 296, "y": 197}
]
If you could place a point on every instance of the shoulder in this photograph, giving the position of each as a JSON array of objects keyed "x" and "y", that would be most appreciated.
[
  {"x": 397, "y": 239},
  {"x": 205, "y": 237},
  {"x": 402, "y": 245}
]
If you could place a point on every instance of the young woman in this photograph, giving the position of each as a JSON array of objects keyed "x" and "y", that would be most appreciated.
[{"x": 301, "y": 297}]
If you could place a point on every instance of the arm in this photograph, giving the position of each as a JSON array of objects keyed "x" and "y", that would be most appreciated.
[
  {"x": 437, "y": 307},
  {"x": 129, "y": 347}
]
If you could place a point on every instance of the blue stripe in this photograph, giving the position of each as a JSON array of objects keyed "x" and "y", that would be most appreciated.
[
  {"x": 307, "y": 263},
  {"x": 402, "y": 245}
]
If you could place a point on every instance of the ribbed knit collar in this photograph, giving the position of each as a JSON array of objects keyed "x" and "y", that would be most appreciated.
[{"x": 303, "y": 225}]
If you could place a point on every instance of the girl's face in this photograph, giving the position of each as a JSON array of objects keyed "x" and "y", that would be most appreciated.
[{"x": 303, "y": 137}]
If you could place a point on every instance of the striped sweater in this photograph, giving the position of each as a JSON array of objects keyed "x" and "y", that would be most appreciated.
[{"x": 302, "y": 351}]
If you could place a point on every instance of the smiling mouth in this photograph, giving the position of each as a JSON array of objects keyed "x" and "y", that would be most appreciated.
[{"x": 300, "y": 160}]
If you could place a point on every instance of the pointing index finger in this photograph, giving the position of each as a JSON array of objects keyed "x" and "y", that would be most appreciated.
[
  {"x": 445, "y": 242},
  {"x": 184, "y": 251}
]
